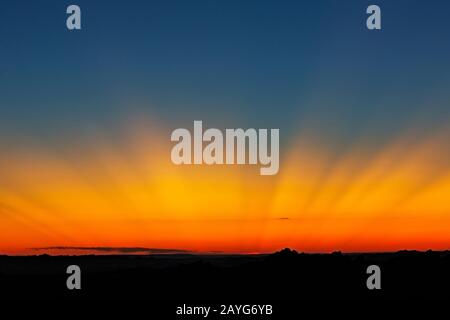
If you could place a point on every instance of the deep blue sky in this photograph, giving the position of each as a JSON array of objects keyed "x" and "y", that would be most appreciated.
[{"x": 267, "y": 64}]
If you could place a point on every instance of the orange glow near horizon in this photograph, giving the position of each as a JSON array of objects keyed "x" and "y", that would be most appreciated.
[{"x": 108, "y": 194}]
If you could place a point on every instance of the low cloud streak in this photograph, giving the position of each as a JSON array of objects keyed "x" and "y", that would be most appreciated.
[{"x": 122, "y": 250}]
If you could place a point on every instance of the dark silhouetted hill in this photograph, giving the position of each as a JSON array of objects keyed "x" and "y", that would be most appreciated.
[{"x": 284, "y": 275}]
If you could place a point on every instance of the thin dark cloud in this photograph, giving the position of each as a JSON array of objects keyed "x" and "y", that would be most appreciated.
[{"x": 123, "y": 250}]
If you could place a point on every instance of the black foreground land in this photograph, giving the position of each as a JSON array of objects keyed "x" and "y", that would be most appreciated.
[{"x": 285, "y": 275}]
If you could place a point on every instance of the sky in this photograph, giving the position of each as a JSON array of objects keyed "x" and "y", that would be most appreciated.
[{"x": 86, "y": 117}]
